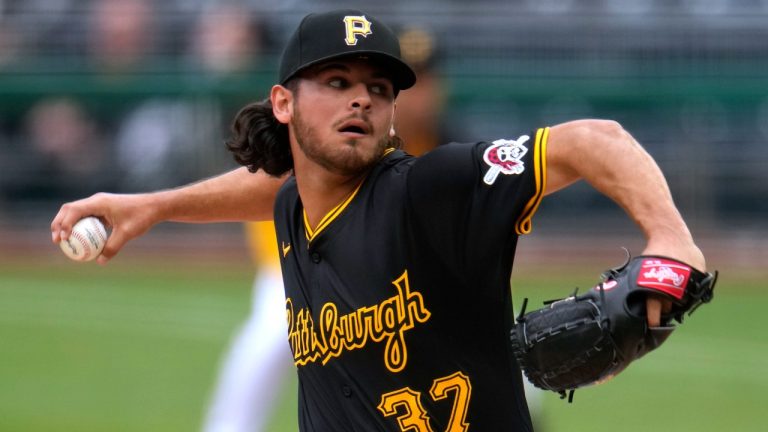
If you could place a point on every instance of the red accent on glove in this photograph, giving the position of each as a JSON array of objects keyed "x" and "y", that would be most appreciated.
[{"x": 664, "y": 275}]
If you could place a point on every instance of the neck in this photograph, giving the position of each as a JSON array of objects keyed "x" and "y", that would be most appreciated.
[{"x": 321, "y": 190}]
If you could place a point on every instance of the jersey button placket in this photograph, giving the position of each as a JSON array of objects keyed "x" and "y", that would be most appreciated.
[
  {"x": 315, "y": 257},
  {"x": 346, "y": 391}
]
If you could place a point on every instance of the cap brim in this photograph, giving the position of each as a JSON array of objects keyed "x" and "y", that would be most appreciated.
[{"x": 403, "y": 77}]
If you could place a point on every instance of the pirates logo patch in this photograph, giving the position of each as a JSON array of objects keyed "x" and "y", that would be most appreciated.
[{"x": 505, "y": 157}]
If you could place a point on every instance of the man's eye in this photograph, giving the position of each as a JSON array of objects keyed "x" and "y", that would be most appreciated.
[
  {"x": 381, "y": 89},
  {"x": 336, "y": 83}
]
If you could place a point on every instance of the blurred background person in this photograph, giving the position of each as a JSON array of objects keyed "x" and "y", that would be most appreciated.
[
  {"x": 226, "y": 40},
  {"x": 257, "y": 363},
  {"x": 120, "y": 35},
  {"x": 60, "y": 154},
  {"x": 419, "y": 113}
]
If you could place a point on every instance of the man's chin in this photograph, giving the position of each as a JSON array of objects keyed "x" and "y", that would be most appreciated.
[
  {"x": 355, "y": 161},
  {"x": 352, "y": 167}
]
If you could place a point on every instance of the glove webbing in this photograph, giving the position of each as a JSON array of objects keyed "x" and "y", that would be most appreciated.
[{"x": 604, "y": 344}]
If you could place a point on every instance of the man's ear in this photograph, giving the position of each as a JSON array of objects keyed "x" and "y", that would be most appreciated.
[{"x": 282, "y": 103}]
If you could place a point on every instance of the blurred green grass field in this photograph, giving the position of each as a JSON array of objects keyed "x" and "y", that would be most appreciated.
[{"x": 135, "y": 346}]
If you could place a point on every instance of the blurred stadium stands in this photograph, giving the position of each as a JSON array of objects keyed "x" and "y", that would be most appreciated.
[{"x": 131, "y": 95}]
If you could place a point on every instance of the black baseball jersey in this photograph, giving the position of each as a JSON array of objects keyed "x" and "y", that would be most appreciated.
[{"x": 399, "y": 302}]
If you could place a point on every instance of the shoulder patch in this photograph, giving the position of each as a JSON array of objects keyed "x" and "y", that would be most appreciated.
[{"x": 505, "y": 157}]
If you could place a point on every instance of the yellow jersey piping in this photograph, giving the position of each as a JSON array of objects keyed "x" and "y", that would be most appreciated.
[{"x": 524, "y": 225}]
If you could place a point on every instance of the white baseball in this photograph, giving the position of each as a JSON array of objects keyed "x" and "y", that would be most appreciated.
[{"x": 86, "y": 241}]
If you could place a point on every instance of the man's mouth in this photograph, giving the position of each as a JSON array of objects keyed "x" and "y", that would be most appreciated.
[{"x": 354, "y": 127}]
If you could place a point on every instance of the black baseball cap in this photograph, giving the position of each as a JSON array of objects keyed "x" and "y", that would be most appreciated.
[{"x": 347, "y": 32}]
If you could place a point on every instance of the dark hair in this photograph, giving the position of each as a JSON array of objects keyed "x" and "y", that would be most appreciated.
[
  {"x": 396, "y": 142},
  {"x": 259, "y": 141}
]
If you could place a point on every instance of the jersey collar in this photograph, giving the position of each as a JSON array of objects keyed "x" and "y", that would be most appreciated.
[{"x": 333, "y": 214}]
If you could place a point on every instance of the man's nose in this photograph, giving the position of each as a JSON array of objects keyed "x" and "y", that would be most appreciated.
[{"x": 361, "y": 98}]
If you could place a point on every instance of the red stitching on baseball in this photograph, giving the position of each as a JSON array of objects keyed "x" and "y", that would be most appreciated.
[{"x": 84, "y": 243}]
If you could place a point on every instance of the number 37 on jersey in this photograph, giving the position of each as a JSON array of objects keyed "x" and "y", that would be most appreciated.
[{"x": 407, "y": 406}]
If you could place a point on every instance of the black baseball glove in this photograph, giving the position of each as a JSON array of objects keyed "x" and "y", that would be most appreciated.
[{"x": 589, "y": 338}]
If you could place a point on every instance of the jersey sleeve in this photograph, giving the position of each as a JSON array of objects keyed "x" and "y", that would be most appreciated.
[{"x": 475, "y": 198}]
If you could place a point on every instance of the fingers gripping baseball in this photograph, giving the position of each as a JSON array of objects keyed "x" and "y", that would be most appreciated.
[{"x": 126, "y": 215}]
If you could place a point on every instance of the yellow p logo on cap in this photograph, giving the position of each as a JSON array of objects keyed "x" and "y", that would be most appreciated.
[{"x": 356, "y": 26}]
